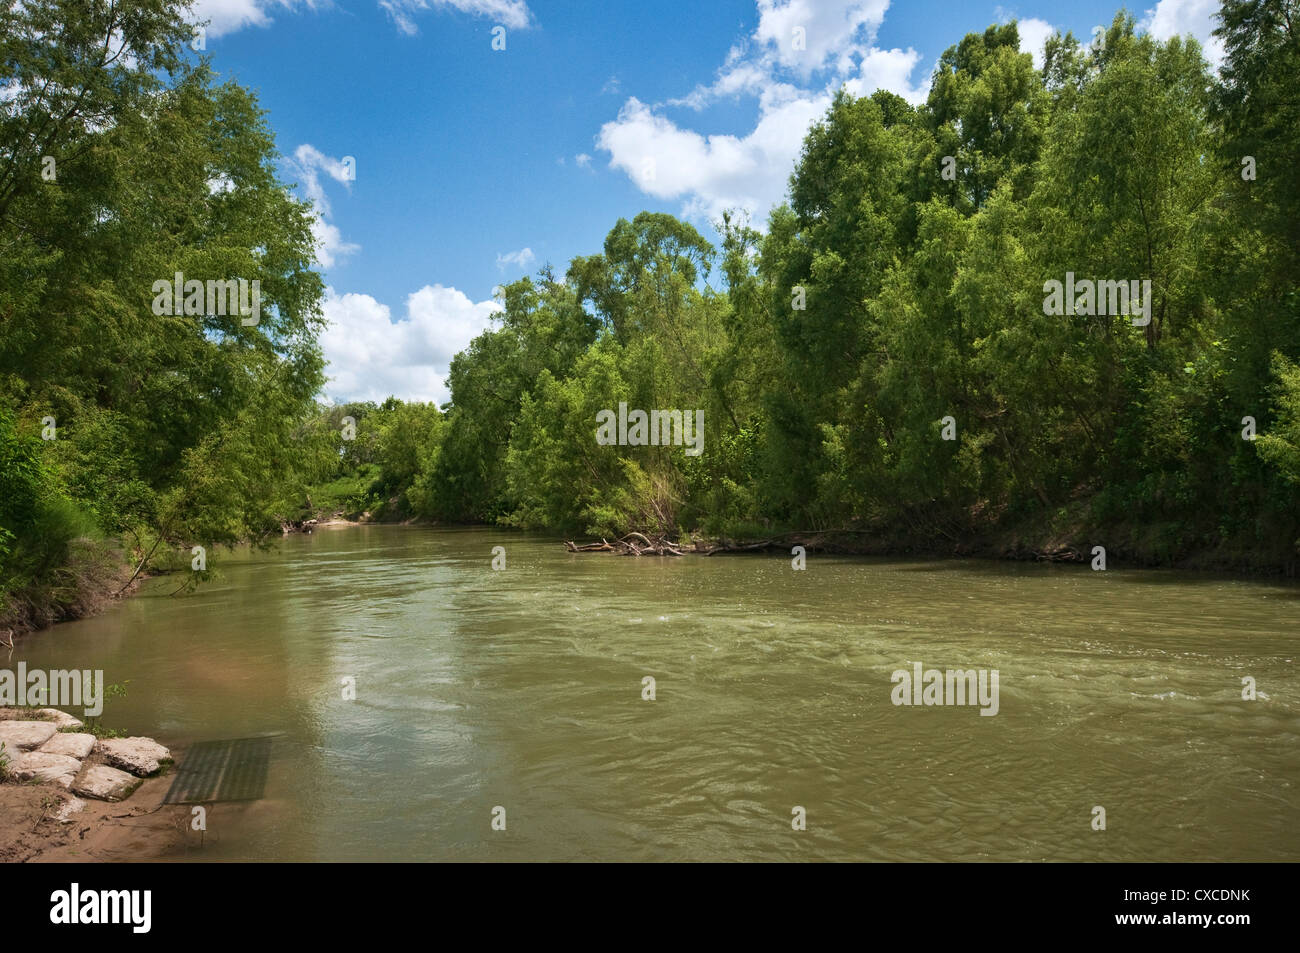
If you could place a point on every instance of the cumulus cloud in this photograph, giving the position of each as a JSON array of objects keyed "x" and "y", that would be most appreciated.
[
  {"x": 710, "y": 173},
  {"x": 582, "y": 159},
  {"x": 742, "y": 78},
  {"x": 510, "y": 13},
  {"x": 800, "y": 53},
  {"x": 889, "y": 69},
  {"x": 1179, "y": 17},
  {"x": 806, "y": 35},
  {"x": 520, "y": 259},
  {"x": 1034, "y": 34},
  {"x": 371, "y": 356},
  {"x": 307, "y": 164},
  {"x": 227, "y": 16}
]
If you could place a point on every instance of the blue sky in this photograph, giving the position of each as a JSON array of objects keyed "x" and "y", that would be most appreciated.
[{"x": 475, "y": 166}]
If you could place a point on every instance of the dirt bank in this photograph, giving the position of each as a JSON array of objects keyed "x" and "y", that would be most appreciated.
[{"x": 140, "y": 828}]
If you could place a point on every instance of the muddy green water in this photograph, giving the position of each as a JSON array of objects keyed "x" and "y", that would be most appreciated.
[{"x": 523, "y": 689}]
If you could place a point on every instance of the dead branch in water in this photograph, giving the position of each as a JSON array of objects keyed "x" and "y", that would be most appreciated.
[
  {"x": 633, "y": 544},
  {"x": 601, "y": 547},
  {"x": 638, "y": 544}
]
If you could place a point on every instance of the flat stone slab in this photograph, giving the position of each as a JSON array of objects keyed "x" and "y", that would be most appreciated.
[
  {"x": 140, "y": 756},
  {"x": 73, "y": 745},
  {"x": 103, "y": 783},
  {"x": 39, "y": 766},
  {"x": 60, "y": 719},
  {"x": 25, "y": 735}
]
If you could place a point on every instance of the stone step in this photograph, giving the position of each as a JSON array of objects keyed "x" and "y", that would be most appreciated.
[
  {"x": 103, "y": 783},
  {"x": 140, "y": 756},
  {"x": 39, "y": 766},
  {"x": 74, "y": 745},
  {"x": 25, "y": 735}
]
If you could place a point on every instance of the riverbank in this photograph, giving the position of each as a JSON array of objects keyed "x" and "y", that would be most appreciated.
[
  {"x": 98, "y": 574},
  {"x": 1128, "y": 546},
  {"x": 66, "y": 795},
  {"x": 44, "y": 823}
]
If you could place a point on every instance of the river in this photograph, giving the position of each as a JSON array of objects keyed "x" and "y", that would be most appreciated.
[{"x": 522, "y": 688}]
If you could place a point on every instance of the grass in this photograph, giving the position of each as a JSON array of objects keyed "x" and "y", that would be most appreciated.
[
  {"x": 96, "y": 729},
  {"x": 350, "y": 495}
]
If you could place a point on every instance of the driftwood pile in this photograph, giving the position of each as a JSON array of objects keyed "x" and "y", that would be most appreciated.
[
  {"x": 633, "y": 544},
  {"x": 638, "y": 544}
]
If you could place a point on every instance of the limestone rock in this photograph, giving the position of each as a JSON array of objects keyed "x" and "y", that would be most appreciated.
[
  {"x": 103, "y": 783},
  {"x": 140, "y": 756},
  {"x": 24, "y": 735},
  {"x": 73, "y": 745},
  {"x": 39, "y": 766},
  {"x": 60, "y": 719}
]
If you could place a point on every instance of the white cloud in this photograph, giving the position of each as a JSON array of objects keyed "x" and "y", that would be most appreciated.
[
  {"x": 582, "y": 159},
  {"x": 1034, "y": 34},
  {"x": 734, "y": 81},
  {"x": 889, "y": 69},
  {"x": 330, "y": 246},
  {"x": 371, "y": 356},
  {"x": 831, "y": 31},
  {"x": 837, "y": 37},
  {"x": 307, "y": 163},
  {"x": 521, "y": 258},
  {"x": 1173, "y": 17},
  {"x": 710, "y": 173},
  {"x": 511, "y": 13},
  {"x": 227, "y": 16}
]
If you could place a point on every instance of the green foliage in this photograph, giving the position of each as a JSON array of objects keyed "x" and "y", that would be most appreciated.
[
  {"x": 883, "y": 298},
  {"x": 1281, "y": 445},
  {"x": 886, "y": 297},
  {"x": 175, "y": 429}
]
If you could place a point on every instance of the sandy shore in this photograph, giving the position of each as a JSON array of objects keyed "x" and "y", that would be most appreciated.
[{"x": 139, "y": 828}]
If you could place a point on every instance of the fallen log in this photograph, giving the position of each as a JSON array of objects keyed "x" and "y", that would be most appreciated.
[{"x": 601, "y": 547}]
